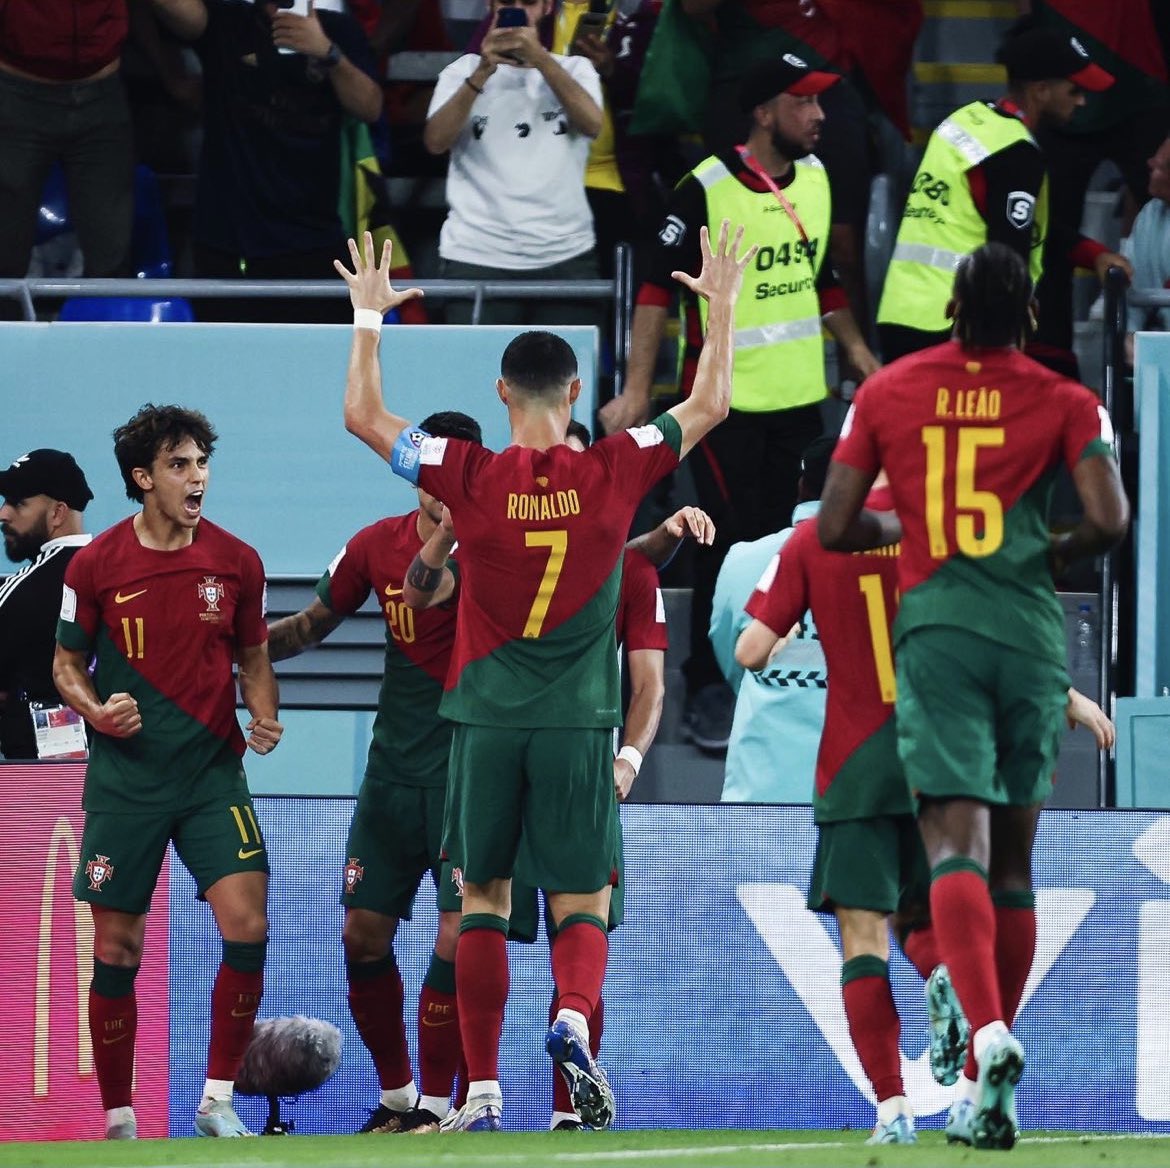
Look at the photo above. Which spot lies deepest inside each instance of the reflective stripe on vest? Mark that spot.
(775, 334)
(941, 223)
(933, 257)
(779, 356)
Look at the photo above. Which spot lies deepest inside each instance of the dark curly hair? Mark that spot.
(152, 430)
(993, 295)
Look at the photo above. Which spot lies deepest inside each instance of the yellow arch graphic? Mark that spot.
(61, 838)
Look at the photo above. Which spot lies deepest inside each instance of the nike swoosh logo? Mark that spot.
(120, 599)
(445, 1022)
(247, 856)
(393, 591)
(243, 1013)
(118, 1038)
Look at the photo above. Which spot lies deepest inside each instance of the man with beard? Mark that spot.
(44, 495)
(747, 468)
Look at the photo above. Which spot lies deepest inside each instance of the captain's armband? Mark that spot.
(404, 455)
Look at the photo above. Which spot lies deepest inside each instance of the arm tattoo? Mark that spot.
(422, 576)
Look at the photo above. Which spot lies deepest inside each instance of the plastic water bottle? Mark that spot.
(1084, 660)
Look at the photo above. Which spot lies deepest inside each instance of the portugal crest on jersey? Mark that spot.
(211, 593)
(353, 873)
(99, 871)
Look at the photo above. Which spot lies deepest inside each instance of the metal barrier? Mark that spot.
(619, 290)
(1117, 570)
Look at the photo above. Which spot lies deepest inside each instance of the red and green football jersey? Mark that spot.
(971, 443)
(853, 599)
(165, 628)
(641, 616)
(411, 740)
(541, 534)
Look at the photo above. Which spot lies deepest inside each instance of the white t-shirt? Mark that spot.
(516, 180)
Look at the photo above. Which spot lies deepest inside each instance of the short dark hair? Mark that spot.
(814, 466)
(993, 293)
(538, 363)
(452, 424)
(579, 431)
(154, 429)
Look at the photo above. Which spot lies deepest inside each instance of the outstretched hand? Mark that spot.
(722, 272)
(369, 282)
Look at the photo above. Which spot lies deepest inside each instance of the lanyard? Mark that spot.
(768, 181)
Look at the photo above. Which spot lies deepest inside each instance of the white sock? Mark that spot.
(484, 1087)
(985, 1035)
(400, 1098)
(968, 1089)
(559, 1116)
(889, 1109)
(216, 1091)
(576, 1020)
(116, 1115)
(435, 1104)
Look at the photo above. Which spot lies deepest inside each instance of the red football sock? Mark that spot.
(113, 1026)
(461, 1081)
(964, 924)
(579, 956)
(481, 983)
(439, 1046)
(1015, 947)
(375, 1001)
(873, 1023)
(921, 950)
(235, 998)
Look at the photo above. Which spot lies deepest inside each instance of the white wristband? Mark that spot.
(633, 756)
(367, 318)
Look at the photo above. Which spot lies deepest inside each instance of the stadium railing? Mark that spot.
(619, 291)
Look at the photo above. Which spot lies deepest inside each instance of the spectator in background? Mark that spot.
(62, 100)
(1125, 125)
(277, 90)
(983, 179)
(748, 468)
(1148, 248)
(44, 494)
(518, 121)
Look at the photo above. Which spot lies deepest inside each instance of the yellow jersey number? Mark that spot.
(979, 514)
(556, 542)
(879, 635)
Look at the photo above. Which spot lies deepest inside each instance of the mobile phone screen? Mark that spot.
(512, 17)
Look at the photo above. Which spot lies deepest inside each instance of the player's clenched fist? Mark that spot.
(264, 734)
(118, 716)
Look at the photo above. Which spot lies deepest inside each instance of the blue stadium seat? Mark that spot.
(136, 308)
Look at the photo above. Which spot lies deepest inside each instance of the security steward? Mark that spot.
(44, 494)
(747, 469)
(983, 179)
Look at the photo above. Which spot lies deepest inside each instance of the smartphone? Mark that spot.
(587, 22)
(514, 16)
(298, 8)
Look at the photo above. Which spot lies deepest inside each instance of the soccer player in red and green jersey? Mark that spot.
(533, 683)
(971, 434)
(395, 836)
(168, 602)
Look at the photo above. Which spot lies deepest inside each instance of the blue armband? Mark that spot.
(404, 455)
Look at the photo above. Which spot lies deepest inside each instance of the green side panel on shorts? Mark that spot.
(566, 678)
(1007, 597)
(173, 762)
(870, 782)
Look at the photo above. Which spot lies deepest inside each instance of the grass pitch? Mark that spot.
(642, 1149)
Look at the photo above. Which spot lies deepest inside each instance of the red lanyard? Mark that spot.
(768, 181)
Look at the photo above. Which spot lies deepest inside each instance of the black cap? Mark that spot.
(777, 75)
(46, 472)
(1044, 53)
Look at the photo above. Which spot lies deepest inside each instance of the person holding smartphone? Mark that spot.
(516, 180)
